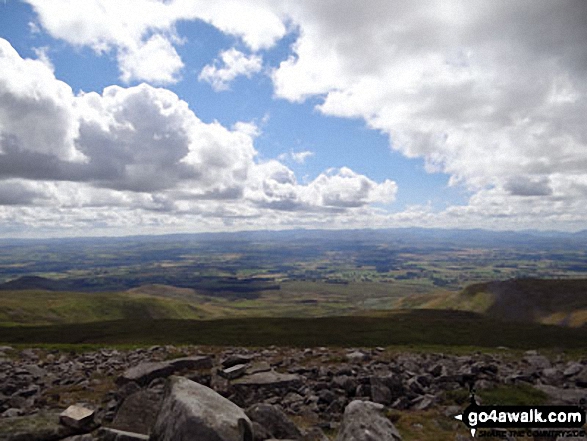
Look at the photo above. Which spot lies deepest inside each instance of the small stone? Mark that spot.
(12, 412)
(78, 417)
(236, 371)
(357, 357)
(423, 402)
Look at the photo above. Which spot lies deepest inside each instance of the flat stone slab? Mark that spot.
(233, 360)
(563, 396)
(270, 379)
(144, 373)
(260, 366)
(193, 362)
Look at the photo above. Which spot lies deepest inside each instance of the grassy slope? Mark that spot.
(295, 299)
(554, 301)
(416, 327)
(36, 307)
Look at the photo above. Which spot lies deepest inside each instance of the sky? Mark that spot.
(151, 117)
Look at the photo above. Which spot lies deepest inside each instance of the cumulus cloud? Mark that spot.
(36, 111)
(143, 149)
(234, 64)
(140, 139)
(494, 94)
(155, 60)
(142, 32)
(491, 93)
(273, 185)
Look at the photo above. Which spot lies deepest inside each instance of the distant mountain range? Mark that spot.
(471, 237)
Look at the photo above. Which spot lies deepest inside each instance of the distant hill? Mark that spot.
(44, 307)
(548, 301)
(32, 282)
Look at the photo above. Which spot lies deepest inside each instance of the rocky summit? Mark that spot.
(243, 394)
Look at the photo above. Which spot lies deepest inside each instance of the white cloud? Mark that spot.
(36, 111)
(154, 60)
(273, 185)
(142, 32)
(234, 64)
(142, 155)
(43, 56)
(298, 157)
(140, 139)
(494, 94)
(345, 188)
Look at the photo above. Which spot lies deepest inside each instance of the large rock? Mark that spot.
(138, 412)
(572, 369)
(191, 411)
(274, 420)
(537, 362)
(363, 421)
(144, 373)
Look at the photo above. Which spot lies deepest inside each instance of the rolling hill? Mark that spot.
(548, 301)
(42, 307)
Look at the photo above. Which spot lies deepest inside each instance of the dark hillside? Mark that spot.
(416, 327)
(533, 300)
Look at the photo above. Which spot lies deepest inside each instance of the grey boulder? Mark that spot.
(363, 421)
(138, 412)
(191, 411)
(274, 420)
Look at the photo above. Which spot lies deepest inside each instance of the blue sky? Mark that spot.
(315, 116)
